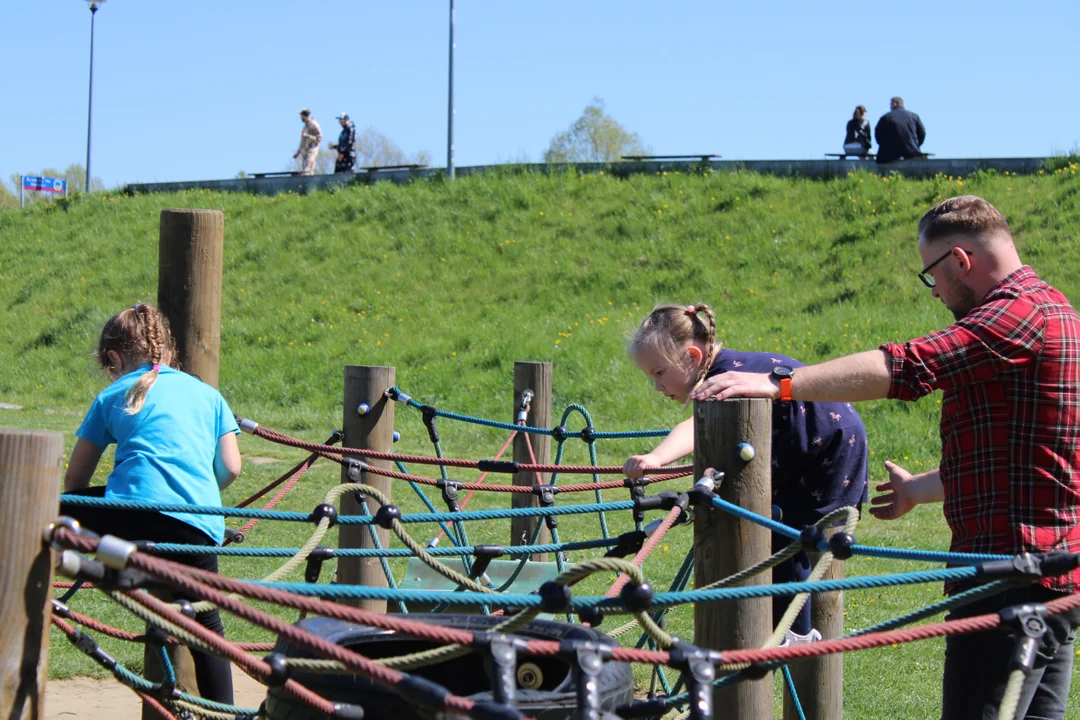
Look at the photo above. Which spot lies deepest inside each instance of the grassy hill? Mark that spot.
(453, 282)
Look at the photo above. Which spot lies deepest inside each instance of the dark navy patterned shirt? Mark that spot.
(819, 449)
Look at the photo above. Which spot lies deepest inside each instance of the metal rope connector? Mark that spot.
(112, 552)
(524, 406)
(63, 521)
(246, 425)
(1028, 627)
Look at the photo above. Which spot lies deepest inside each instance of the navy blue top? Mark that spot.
(819, 449)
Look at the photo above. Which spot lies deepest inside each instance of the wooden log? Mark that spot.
(31, 462)
(725, 544)
(372, 429)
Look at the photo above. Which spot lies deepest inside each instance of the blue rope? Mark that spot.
(166, 665)
(923, 555)
(661, 600)
(790, 682)
(525, 428)
(778, 528)
(373, 533)
(232, 550)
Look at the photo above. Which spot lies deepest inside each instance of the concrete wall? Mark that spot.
(805, 168)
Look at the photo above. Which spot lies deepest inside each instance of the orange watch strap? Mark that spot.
(785, 389)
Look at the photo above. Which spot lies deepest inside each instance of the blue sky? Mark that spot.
(206, 88)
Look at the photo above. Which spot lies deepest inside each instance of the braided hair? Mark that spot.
(668, 328)
(142, 332)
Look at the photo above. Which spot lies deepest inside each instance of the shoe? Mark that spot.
(794, 638)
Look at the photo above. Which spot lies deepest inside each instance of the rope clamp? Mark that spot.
(546, 496)
(354, 468)
(60, 609)
(629, 544)
(1028, 627)
(503, 650)
(112, 552)
(698, 667)
(77, 566)
(88, 647)
(248, 426)
(450, 490)
(637, 491)
(1024, 565)
(430, 413)
(63, 522)
(315, 562)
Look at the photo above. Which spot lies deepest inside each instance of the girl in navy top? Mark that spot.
(175, 444)
(819, 450)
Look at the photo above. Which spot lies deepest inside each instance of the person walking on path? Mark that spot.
(1009, 479)
(310, 139)
(899, 133)
(346, 145)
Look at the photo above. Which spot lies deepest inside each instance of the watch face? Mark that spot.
(782, 371)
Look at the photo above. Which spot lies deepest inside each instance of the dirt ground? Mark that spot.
(109, 700)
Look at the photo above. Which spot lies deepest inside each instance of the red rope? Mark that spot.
(297, 472)
(661, 530)
(328, 451)
(483, 477)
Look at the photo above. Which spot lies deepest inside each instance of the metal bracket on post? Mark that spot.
(545, 494)
(524, 407)
(450, 490)
(1028, 627)
(588, 659)
(699, 668)
(502, 651)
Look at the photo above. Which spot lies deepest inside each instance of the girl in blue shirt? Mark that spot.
(819, 450)
(175, 444)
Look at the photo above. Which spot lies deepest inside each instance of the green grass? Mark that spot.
(453, 282)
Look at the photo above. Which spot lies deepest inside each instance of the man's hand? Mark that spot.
(333, 146)
(737, 384)
(636, 464)
(900, 494)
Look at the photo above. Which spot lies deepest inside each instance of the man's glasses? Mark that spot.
(928, 281)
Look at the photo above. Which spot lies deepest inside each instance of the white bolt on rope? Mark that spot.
(112, 552)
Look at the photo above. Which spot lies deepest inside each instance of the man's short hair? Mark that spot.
(897, 101)
(962, 215)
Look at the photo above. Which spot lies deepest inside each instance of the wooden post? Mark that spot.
(30, 464)
(820, 680)
(190, 250)
(724, 544)
(190, 256)
(535, 376)
(373, 430)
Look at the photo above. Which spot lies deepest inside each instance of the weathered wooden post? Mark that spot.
(191, 248)
(30, 468)
(820, 680)
(725, 544)
(190, 255)
(534, 376)
(368, 423)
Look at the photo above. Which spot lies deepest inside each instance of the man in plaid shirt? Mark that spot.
(1009, 369)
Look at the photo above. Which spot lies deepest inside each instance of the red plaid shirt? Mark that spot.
(1010, 419)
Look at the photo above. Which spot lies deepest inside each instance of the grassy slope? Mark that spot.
(452, 283)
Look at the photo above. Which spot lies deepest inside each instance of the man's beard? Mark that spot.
(967, 303)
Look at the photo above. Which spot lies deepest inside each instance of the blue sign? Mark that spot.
(44, 184)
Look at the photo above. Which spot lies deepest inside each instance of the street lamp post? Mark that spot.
(94, 5)
(450, 111)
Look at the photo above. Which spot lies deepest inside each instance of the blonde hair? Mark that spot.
(668, 328)
(140, 332)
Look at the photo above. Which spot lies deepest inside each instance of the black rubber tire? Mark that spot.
(556, 698)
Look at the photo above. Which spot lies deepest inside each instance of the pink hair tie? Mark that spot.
(156, 367)
(691, 310)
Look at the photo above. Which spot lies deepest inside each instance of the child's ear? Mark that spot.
(695, 354)
(116, 363)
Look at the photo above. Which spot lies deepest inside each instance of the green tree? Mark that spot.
(373, 149)
(593, 137)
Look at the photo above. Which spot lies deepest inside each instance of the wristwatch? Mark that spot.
(783, 374)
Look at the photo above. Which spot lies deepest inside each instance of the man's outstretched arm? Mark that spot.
(863, 376)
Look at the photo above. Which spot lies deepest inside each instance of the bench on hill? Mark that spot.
(408, 166)
(641, 158)
(276, 173)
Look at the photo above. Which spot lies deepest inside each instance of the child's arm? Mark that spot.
(679, 443)
(903, 491)
(227, 460)
(81, 465)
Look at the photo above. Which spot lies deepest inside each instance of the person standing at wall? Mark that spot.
(346, 145)
(310, 139)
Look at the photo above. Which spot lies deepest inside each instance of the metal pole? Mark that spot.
(90, 103)
(450, 111)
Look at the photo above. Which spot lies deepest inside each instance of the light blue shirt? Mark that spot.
(165, 452)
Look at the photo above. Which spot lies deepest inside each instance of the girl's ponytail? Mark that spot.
(140, 333)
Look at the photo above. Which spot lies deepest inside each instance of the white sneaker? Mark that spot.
(794, 638)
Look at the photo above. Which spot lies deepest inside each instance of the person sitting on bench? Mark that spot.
(857, 140)
(899, 133)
